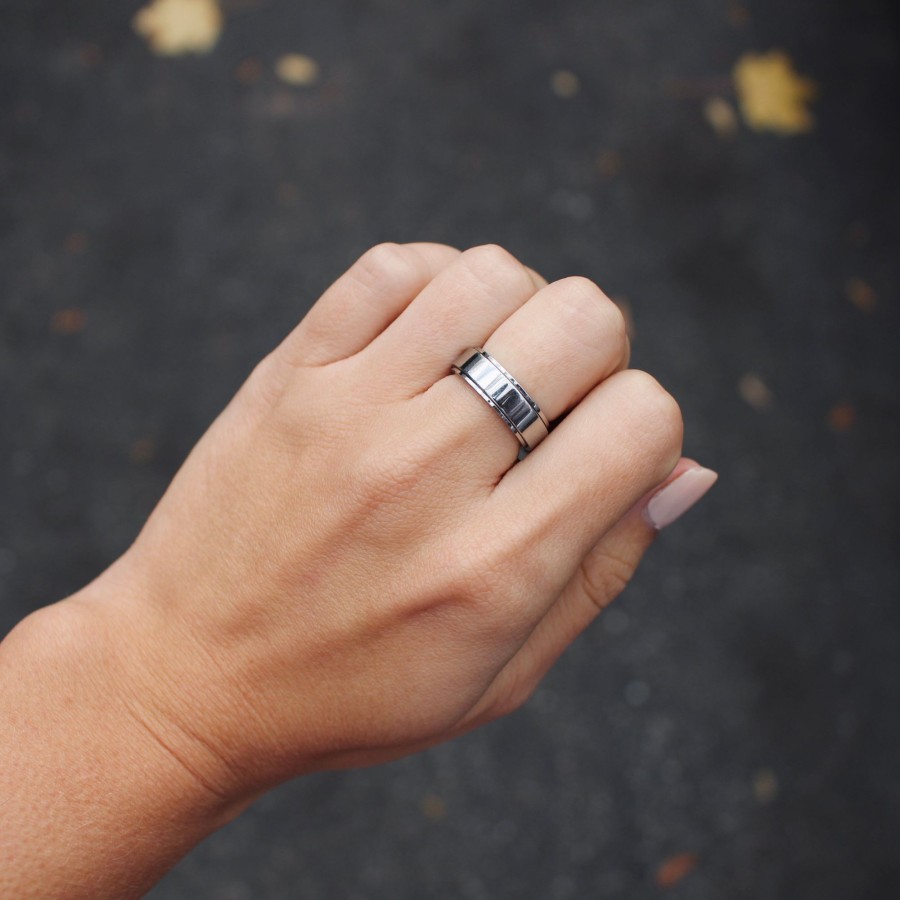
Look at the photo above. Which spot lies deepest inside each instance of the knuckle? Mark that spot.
(472, 576)
(658, 412)
(389, 266)
(591, 313)
(479, 578)
(493, 266)
(267, 382)
(383, 477)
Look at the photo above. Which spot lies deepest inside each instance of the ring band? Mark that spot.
(504, 394)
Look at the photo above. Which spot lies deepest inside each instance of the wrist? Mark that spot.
(84, 773)
(150, 674)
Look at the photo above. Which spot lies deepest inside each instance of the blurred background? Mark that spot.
(182, 178)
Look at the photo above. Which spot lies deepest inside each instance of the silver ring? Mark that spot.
(504, 394)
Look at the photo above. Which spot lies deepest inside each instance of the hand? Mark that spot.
(349, 566)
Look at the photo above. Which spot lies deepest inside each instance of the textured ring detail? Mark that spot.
(504, 394)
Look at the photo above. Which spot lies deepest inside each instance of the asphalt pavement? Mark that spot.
(731, 727)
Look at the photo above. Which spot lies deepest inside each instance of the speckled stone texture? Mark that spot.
(165, 221)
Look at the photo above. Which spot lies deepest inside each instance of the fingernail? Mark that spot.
(677, 497)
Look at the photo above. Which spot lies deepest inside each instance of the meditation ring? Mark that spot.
(504, 394)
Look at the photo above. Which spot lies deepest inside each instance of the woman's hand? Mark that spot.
(349, 566)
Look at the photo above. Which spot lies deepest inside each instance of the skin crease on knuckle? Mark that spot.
(388, 268)
(497, 269)
(590, 317)
(654, 418)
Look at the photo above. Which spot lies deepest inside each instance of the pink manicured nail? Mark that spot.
(677, 497)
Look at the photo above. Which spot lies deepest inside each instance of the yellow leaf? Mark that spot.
(174, 27)
(772, 95)
(297, 69)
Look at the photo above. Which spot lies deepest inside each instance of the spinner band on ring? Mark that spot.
(504, 394)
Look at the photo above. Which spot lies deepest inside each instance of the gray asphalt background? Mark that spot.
(741, 704)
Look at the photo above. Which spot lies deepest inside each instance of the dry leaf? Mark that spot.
(675, 869)
(75, 243)
(173, 27)
(297, 69)
(754, 392)
(565, 84)
(861, 294)
(68, 321)
(841, 417)
(248, 71)
(609, 163)
(721, 116)
(772, 95)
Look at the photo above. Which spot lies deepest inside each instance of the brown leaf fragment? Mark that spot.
(565, 84)
(175, 27)
(609, 163)
(142, 451)
(754, 392)
(738, 15)
(248, 71)
(861, 295)
(68, 321)
(765, 786)
(675, 868)
(75, 243)
(772, 96)
(841, 417)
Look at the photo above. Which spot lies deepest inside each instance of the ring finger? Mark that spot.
(565, 340)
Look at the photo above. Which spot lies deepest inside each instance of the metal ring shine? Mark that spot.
(505, 395)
